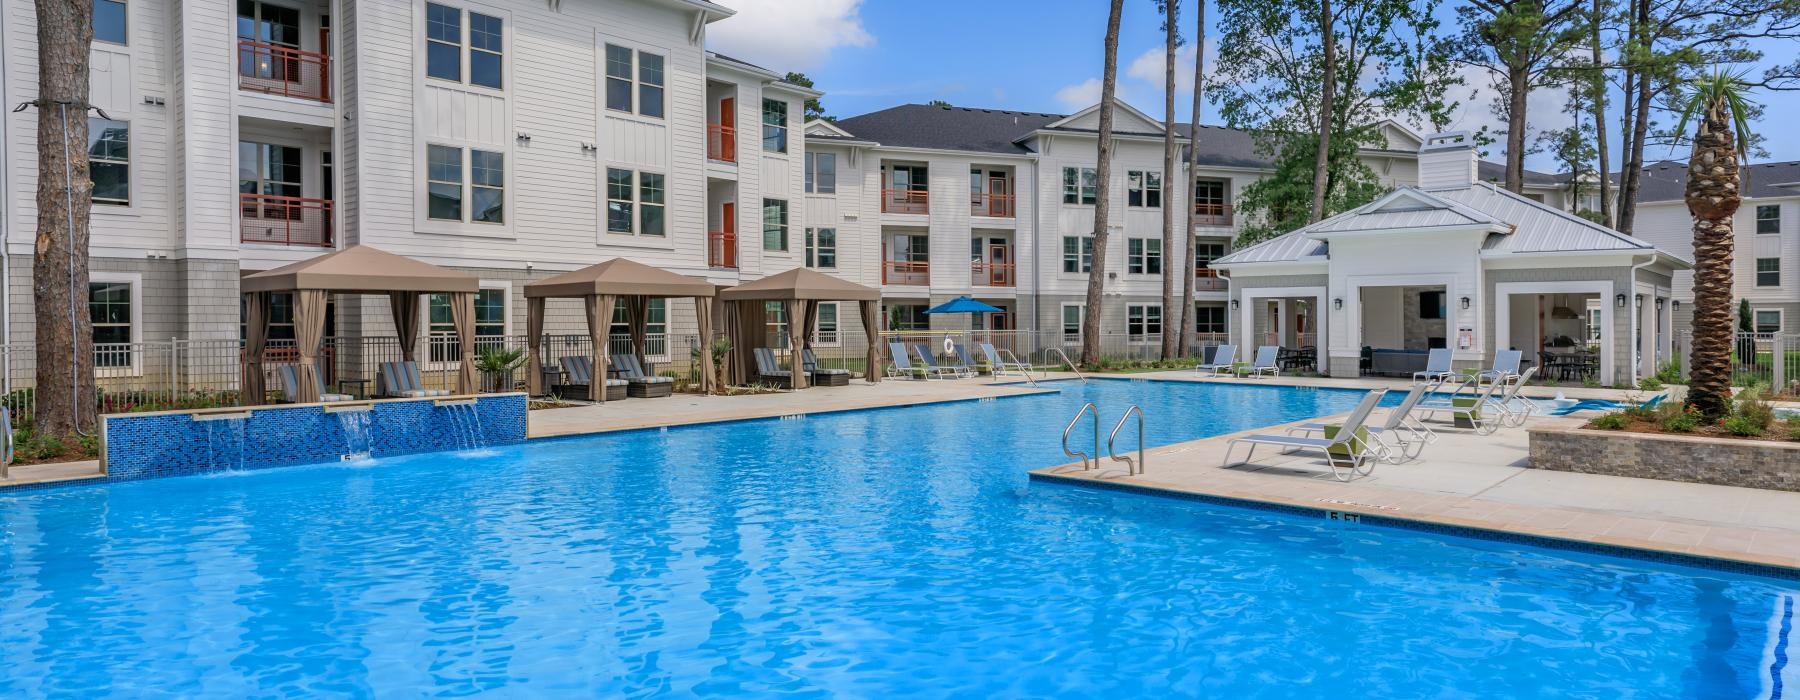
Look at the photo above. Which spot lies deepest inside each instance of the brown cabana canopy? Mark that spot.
(799, 290)
(358, 269)
(602, 286)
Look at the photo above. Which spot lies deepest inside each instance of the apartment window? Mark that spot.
(1071, 322)
(821, 248)
(1143, 188)
(1078, 253)
(490, 324)
(109, 306)
(269, 169)
(109, 21)
(1143, 256)
(445, 192)
(1209, 198)
(656, 319)
(1080, 186)
(635, 81)
(1767, 321)
(1431, 305)
(444, 182)
(487, 187)
(1142, 321)
(1209, 319)
(775, 130)
(908, 317)
(775, 224)
(443, 42)
(821, 173)
(1768, 218)
(1768, 272)
(825, 331)
(486, 46)
(109, 161)
(636, 202)
(1205, 253)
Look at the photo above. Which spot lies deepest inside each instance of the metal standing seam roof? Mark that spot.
(1405, 208)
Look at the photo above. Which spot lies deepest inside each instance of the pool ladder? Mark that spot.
(1133, 467)
(1065, 358)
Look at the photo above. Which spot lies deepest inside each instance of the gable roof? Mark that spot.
(361, 269)
(801, 283)
(1666, 181)
(619, 276)
(1403, 208)
(1089, 120)
(1003, 131)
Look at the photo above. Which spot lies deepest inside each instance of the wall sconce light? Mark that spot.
(1234, 304)
(1465, 303)
(1640, 301)
(524, 137)
(1619, 300)
(1659, 303)
(1676, 304)
(1338, 303)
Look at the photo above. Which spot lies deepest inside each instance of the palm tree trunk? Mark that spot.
(59, 271)
(1712, 197)
(1109, 83)
(1327, 96)
(1185, 320)
(1170, 303)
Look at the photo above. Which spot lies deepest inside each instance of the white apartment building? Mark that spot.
(1766, 260)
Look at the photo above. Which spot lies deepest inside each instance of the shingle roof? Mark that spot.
(999, 130)
(1666, 181)
(1496, 172)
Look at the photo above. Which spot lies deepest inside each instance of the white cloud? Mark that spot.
(1543, 112)
(788, 35)
(1148, 67)
(1079, 96)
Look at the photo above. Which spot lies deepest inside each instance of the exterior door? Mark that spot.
(999, 267)
(999, 204)
(725, 249)
(728, 134)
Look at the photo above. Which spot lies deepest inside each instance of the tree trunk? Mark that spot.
(1170, 303)
(1712, 197)
(1518, 88)
(1597, 90)
(1327, 98)
(1640, 127)
(1186, 317)
(1090, 320)
(59, 271)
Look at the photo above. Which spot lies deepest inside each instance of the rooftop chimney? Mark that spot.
(1448, 160)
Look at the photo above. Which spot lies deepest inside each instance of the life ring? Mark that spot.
(949, 347)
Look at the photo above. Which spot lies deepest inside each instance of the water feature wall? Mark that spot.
(170, 443)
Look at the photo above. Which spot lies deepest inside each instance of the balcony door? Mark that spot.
(271, 26)
(271, 175)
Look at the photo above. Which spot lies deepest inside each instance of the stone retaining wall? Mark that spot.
(1758, 464)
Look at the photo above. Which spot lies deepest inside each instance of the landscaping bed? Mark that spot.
(1748, 448)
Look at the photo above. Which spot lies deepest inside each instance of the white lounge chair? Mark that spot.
(903, 362)
(1347, 453)
(930, 364)
(1506, 366)
(1482, 409)
(1437, 366)
(1222, 360)
(1001, 366)
(1401, 437)
(1265, 362)
(1517, 408)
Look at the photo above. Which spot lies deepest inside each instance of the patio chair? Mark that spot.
(639, 383)
(401, 380)
(1437, 366)
(926, 361)
(1001, 366)
(1517, 408)
(1402, 437)
(1347, 452)
(1469, 407)
(1506, 366)
(903, 362)
(822, 376)
(290, 385)
(1266, 362)
(768, 369)
(579, 371)
(1222, 360)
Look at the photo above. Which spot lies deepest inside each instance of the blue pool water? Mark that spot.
(880, 553)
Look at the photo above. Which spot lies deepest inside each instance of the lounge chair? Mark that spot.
(822, 376)
(768, 369)
(1517, 409)
(1002, 366)
(1347, 452)
(1222, 361)
(401, 380)
(290, 385)
(1437, 366)
(1266, 362)
(1470, 406)
(1604, 405)
(1506, 366)
(579, 373)
(903, 362)
(930, 364)
(1399, 438)
(639, 383)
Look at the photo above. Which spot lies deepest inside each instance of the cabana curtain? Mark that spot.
(734, 330)
(796, 310)
(309, 334)
(405, 307)
(599, 317)
(534, 366)
(256, 333)
(703, 317)
(799, 291)
(637, 318)
(871, 318)
(462, 316)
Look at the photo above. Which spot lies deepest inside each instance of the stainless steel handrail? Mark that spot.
(1065, 358)
(1085, 463)
(6, 442)
(1132, 467)
(1025, 369)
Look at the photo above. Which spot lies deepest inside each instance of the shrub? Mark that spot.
(1793, 428)
(1754, 408)
(1590, 382)
(1650, 384)
(1610, 421)
(1677, 418)
(1669, 373)
(1743, 427)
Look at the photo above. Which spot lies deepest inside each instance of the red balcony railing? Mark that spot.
(987, 274)
(991, 204)
(267, 218)
(1207, 279)
(721, 249)
(905, 201)
(1212, 214)
(906, 272)
(282, 70)
(721, 143)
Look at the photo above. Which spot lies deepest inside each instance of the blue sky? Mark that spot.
(1032, 55)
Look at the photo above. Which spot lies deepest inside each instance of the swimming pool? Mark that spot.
(874, 553)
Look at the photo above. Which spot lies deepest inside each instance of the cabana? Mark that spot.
(799, 290)
(602, 286)
(358, 269)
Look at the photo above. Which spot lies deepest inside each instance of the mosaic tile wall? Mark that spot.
(144, 446)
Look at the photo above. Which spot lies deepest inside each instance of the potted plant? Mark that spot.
(496, 366)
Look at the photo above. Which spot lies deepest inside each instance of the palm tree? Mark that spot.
(1171, 41)
(1718, 104)
(1109, 83)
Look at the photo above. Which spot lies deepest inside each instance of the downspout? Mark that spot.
(1037, 251)
(1631, 306)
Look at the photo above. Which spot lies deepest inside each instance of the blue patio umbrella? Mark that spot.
(964, 305)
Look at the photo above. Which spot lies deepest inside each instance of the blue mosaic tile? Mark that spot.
(148, 446)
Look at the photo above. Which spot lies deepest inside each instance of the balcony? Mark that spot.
(281, 70)
(999, 206)
(1207, 279)
(721, 250)
(905, 272)
(905, 201)
(1212, 214)
(275, 220)
(987, 274)
(721, 143)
